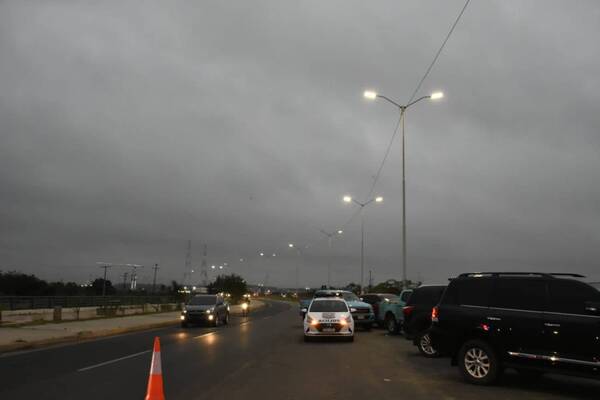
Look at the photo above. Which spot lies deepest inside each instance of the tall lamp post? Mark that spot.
(371, 95)
(295, 247)
(350, 199)
(330, 236)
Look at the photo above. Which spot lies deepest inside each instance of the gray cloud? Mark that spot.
(127, 128)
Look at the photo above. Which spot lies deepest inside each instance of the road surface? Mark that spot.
(260, 357)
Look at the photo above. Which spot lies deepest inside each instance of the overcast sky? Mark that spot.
(130, 127)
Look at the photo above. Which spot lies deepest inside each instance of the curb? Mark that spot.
(82, 336)
(85, 336)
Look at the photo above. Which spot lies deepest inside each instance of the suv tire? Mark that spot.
(391, 325)
(425, 346)
(226, 320)
(478, 362)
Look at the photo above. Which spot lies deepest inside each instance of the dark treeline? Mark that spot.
(14, 283)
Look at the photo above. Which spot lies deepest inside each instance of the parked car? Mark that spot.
(417, 317)
(375, 300)
(389, 311)
(211, 309)
(362, 313)
(328, 317)
(532, 322)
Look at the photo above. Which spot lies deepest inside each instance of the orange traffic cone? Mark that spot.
(155, 382)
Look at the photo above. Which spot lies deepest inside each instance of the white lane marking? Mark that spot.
(113, 361)
(204, 334)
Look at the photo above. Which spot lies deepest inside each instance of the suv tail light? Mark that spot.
(407, 311)
(435, 313)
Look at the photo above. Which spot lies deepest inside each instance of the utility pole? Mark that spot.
(188, 263)
(106, 266)
(204, 268)
(156, 267)
(125, 274)
(370, 281)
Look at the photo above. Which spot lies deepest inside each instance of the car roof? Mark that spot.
(329, 299)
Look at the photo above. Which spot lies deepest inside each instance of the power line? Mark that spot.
(438, 52)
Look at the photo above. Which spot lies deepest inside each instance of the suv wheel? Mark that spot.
(391, 324)
(226, 320)
(478, 362)
(426, 347)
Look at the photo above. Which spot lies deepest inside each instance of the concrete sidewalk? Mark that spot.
(25, 337)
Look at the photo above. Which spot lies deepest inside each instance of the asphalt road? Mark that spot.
(259, 357)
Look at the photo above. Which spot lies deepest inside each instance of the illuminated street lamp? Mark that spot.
(372, 95)
(350, 199)
(330, 236)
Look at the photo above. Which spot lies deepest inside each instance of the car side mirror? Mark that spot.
(592, 307)
(352, 309)
(304, 310)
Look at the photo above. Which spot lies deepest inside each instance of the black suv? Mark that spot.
(532, 322)
(417, 316)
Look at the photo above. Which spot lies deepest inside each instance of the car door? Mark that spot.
(514, 319)
(572, 324)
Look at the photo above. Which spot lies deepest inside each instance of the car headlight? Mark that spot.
(185, 311)
(312, 321)
(209, 311)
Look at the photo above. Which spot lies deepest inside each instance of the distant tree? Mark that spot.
(97, 285)
(14, 283)
(232, 284)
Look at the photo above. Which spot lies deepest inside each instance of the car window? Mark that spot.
(473, 291)
(328, 306)
(405, 296)
(426, 295)
(370, 299)
(520, 294)
(570, 297)
(350, 297)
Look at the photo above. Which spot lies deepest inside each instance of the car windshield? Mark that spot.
(350, 297)
(328, 306)
(203, 301)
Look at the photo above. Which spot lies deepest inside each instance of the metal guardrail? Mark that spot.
(37, 302)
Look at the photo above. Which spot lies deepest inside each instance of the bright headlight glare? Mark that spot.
(182, 317)
(210, 317)
(208, 311)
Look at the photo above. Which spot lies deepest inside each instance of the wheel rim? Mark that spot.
(391, 325)
(477, 363)
(426, 345)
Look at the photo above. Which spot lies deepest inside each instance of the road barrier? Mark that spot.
(155, 381)
(36, 302)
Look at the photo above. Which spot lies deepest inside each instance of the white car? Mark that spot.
(328, 316)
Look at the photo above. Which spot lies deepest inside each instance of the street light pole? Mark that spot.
(362, 251)
(156, 267)
(372, 96)
(330, 236)
(349, 199)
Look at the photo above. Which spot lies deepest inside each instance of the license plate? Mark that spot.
(328, 330)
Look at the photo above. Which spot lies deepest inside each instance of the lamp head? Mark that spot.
(370, 94)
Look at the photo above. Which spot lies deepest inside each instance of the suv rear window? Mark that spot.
(520, 294)
(426, 295)
(569, 297)
(469, 292)
(328, 306)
